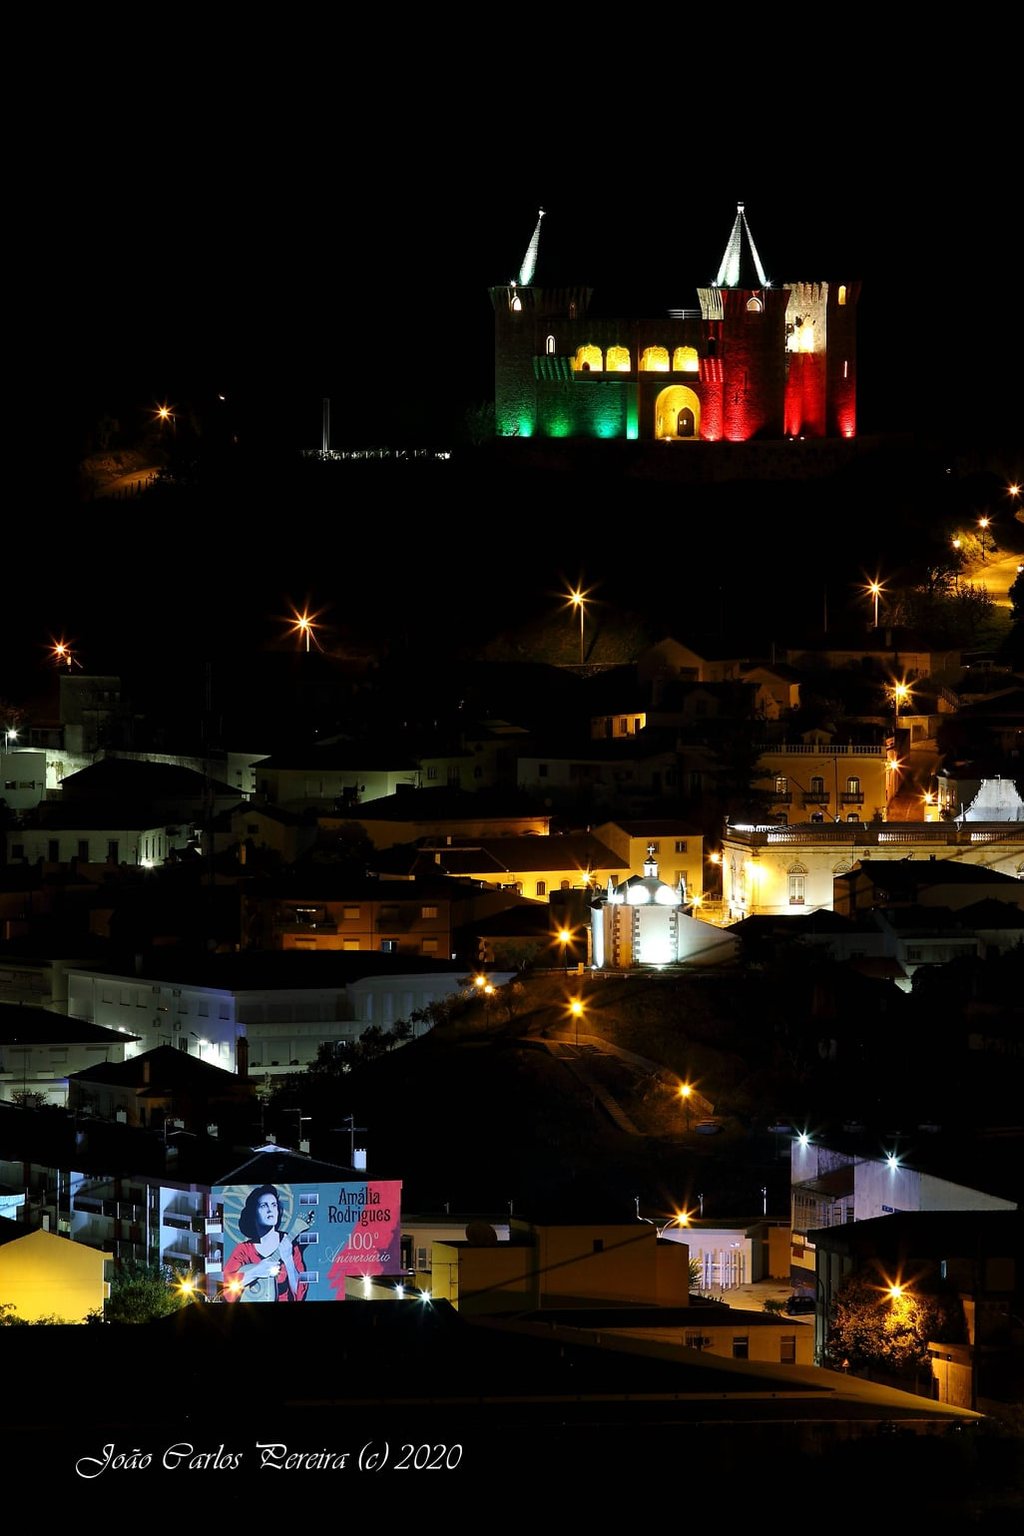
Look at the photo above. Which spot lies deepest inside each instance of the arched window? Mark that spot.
(853, 785)
(842, 293)
(685, 360)
(754, 306)
(617, 360)
(542, 887)
(588, 359)
(817, 786)
(516, 304)
(654, 360)
(549, 346)
(781, 784)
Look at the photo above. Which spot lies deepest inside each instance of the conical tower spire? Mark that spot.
(741, 265)
(529, 265)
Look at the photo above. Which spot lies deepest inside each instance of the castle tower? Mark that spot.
(531, 340)
(746, 320)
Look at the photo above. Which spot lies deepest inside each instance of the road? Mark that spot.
(996, 574)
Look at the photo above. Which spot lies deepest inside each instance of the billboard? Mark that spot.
(301, 1242)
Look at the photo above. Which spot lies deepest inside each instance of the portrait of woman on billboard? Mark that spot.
(268, 1265)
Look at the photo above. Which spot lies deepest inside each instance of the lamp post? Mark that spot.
(983, 523)
(576, 1009)
(578, 600)
(685, 1092)
(900, 695)
(874, 589)
(564, 938)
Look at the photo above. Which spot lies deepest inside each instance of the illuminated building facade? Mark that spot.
(755, 360)
(643, 921)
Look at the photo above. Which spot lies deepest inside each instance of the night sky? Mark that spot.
(328, 223)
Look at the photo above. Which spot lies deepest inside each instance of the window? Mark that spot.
(429, 946)
(817, 786)
(350, 943)
(617, 360)
(203, 1011)
(453, 775)
(542, 887)
(431, 773)
(846, 369)
(542, 770)
(787, 1349)
(428, 911)
(252, 828)
(853, 785)
(842, 293)
(852, 816)
(754, 307)
(588, 359)
(780, 784)
(351, 914)
(796, 890)
(17, 850)
(693, 1340)
(53, 851)
(741, 1346)
(681, 846)
(83, 850)
(654, 360)
(112, 851)
(654, 847)
(389, 946)
(684, 360)
(598, 1243)
(549, 346)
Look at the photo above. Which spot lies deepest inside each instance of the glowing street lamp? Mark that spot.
(685, 1093)
(63, 655)
(564, 938)
(873, 590)
(576, 1009)
(10, 734)
(983, 523)
(305, 626)
(577, 599)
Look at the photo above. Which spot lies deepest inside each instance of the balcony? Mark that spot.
(851, 799)
(816, 797)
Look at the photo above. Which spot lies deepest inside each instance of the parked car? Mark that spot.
(795, 1304)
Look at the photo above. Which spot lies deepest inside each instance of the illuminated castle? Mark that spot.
(754, 361)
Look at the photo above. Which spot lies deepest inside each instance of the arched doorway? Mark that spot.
(677, 414)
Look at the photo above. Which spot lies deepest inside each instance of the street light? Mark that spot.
(305, 626)
(576, 1009)
(900, 694)
(564, 938)
(873, 590)
(983, 523)
(685, 1092)
(577, 599)
(10, 734)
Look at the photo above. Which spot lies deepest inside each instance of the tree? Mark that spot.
(141, 1293)
(871, 1327)
(1016, 595)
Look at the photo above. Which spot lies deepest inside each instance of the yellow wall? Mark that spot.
(44, 1275)
(560, 1264)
